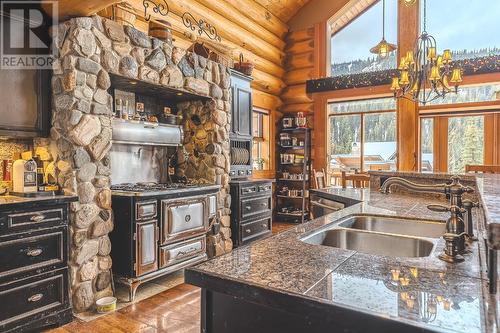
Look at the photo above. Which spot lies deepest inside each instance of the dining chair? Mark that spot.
(359, 180)
(319, 179)
(477, 168)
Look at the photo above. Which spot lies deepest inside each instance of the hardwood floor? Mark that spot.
(282, 226)
(176, 310)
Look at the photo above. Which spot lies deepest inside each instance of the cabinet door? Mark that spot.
(245, 112)
(234, 110)
(146, 247)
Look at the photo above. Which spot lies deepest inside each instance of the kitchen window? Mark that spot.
(362, 135)
(460, 129)
(361, 23)
(261, 139)
(462, 141)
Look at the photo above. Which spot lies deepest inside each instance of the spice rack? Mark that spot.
(294, 168)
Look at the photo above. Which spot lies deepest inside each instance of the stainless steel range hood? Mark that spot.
(146, 133)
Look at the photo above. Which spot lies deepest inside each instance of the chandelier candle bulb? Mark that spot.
(446, 56)
(439, 62)
(410, 60)
(434, 74)
(404, 78)
(414, 89)
(395, 84)
(456, 76)
(402, 64)
(431, 55)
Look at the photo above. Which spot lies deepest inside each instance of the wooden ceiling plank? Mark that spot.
(261, 15)
(227, 10)
(75, 8)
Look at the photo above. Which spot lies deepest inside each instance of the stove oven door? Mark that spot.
(146, 247)
(182, 219)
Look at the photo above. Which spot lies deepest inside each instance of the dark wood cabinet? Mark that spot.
(241, 119)
(34, 249)
(251, 210)
(241, 126)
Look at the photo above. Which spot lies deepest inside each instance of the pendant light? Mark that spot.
(383, 48)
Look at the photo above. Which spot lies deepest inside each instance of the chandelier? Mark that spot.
(424, 75)
(383, 48)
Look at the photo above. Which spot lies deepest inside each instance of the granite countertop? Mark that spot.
(421, 292)
(489, 187)
(10, 201)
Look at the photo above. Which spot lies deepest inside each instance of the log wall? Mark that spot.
(299, 67)
(245, 27)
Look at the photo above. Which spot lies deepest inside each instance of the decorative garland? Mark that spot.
(481, 65)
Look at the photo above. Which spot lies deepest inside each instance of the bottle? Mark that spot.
(39, 173)
(118, 108)
(125, 110)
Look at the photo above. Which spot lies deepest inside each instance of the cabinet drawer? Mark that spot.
(175, 253)
(146, 210)
(254, 229)
(33, 297)
(250, 207)
(34, 219)
(246, 190)
(265, 188)
(32, 251)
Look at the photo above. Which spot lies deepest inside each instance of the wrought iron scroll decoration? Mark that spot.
(159, 8)
(201, 26)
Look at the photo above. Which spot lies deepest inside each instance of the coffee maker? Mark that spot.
(24, 176)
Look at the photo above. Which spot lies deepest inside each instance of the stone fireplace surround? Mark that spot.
(88, 50)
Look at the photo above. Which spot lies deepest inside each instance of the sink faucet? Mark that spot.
(458, 225)
(453, 191)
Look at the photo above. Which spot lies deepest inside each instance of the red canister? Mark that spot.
(7, 170)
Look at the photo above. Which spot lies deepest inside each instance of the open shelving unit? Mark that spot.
(298, 206)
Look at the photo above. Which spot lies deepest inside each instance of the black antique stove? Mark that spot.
(159, 228)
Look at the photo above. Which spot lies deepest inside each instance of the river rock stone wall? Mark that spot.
(89, 49)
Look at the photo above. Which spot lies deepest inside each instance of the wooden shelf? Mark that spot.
(290, 197)
(292, 147)
(295, 129)
(292, 180)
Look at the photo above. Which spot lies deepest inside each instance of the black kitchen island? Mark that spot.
(282, 284)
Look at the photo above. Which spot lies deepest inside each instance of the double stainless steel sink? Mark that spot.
(379, 235)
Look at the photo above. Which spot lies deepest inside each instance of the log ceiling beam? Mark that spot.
(227, 10)
(261, 15)
(75, 8)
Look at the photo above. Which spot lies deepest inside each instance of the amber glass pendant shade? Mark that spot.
(383, 48)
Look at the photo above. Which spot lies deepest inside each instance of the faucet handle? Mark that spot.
(455, 183)
(444, 209)
(469, 204)
(438, 208)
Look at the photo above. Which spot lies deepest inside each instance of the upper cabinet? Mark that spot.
(25, 103)
(24, 93)
(241, 115)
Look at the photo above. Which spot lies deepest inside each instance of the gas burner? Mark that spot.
(148, 187)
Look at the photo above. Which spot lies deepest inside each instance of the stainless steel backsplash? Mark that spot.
(137, 163)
